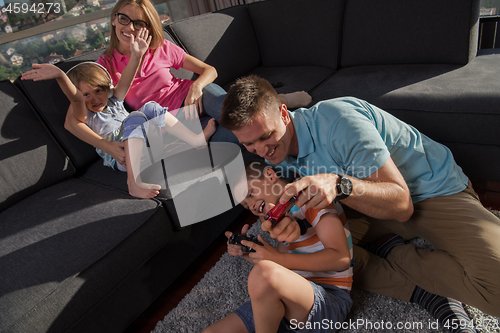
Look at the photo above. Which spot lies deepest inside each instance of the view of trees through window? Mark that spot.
(17, 56)
(23, 15)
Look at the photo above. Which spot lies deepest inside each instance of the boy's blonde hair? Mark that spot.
(152, 19)
(92, 74)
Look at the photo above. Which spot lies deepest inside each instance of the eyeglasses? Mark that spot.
(125, 20)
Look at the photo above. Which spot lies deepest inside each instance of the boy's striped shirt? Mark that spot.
(310, 243)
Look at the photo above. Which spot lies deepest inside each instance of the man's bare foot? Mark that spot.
(143, 190)
(297, 99)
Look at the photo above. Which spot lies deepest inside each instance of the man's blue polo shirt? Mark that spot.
(349, 136)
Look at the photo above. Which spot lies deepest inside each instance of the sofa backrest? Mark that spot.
(238, 39)
(411, 31)
(331, 34)
(298, 32)
(30, 158)
(225, 40)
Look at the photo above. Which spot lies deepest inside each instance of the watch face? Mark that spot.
(346, 185)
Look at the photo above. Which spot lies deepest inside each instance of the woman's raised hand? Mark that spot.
(139, 44)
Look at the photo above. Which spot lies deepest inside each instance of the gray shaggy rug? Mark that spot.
(224, 288)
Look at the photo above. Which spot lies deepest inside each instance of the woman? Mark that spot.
(154, 81)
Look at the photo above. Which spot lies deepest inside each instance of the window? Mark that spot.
(490, 7)
(489, 34)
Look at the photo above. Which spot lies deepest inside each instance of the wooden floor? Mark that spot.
(489, 194)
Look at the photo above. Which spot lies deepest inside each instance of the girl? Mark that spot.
(99, 105)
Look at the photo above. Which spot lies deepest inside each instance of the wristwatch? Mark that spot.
(344, 188)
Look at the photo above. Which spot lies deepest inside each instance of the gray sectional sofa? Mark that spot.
(415, 59)
(78, 254)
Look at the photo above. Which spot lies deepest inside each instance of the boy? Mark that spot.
(312, 297)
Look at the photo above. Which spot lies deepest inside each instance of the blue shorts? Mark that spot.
(137, 123)
(331, 305)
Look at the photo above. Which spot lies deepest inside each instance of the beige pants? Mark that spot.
(465, 266)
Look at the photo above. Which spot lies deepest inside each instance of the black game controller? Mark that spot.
(237, 238)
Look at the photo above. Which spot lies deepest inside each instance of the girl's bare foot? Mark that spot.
(297, 99)
(143, 190)
(207, 134)
(210, 129)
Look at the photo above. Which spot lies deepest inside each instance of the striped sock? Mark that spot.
(448, 311)
(384, 245)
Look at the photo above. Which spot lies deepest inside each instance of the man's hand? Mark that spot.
(383, 195)
(318, 191)
(286, 230)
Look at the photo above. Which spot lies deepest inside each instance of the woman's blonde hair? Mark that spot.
(152, 19)
(92, 74)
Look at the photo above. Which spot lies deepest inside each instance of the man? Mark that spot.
(394, 180)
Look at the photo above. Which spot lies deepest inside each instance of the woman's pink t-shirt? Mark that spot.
(153, 81)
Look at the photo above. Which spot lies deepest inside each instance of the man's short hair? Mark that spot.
(246, 98)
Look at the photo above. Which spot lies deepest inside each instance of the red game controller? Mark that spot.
(279, 211)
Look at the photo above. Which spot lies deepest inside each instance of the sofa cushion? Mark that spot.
(384, 85)
(30, 158)
(479, 162)
(412, 31)
(52, 237)
(298, 33)
(133, 296)
(51, 104)
(429, 96)
(180, 73)
(294, 78)
(439, 100)
(194, 188)
(225, 40)
(100, 174)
